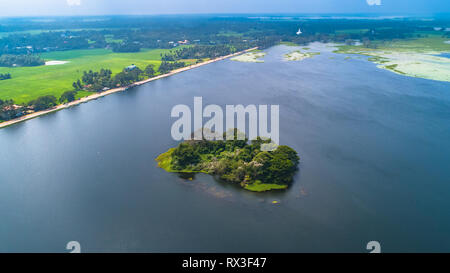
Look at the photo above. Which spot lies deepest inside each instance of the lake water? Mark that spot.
(375, 165)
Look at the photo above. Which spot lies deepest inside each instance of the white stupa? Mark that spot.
(299, 32)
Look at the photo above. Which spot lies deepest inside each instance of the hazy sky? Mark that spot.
(96, 7)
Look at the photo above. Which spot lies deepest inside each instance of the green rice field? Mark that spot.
(28, 83)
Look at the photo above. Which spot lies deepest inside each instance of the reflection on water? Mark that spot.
(187, 176)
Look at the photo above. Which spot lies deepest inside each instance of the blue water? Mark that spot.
(374, 148)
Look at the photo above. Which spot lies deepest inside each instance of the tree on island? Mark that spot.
(185, 155)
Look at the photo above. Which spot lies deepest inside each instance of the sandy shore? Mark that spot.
(111, 91)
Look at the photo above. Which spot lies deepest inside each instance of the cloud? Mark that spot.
(374, 2)
(77, 2)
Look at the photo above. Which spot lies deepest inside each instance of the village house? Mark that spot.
(130, 67)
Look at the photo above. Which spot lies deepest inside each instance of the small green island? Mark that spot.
(298, 55)
(235, 161)
(254, 56)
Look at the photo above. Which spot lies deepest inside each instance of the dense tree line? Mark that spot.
(95, 81)
(166, 67)
(126, 47)
(98, 81)
(20, 60)
(6, 111)
(127, 77)
(130, 34)
(5, 76)
(199, 52)
(68, 96)
(149, 71)
(44, 102)
(6, 102)
(20, 44)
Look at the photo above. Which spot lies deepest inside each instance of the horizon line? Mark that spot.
(355, 14)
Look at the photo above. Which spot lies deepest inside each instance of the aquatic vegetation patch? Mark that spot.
(250, 57)
(414, 57)
(299, 55)
(418, 65)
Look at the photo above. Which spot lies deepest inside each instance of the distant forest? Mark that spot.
(130, 34)
(10, 60)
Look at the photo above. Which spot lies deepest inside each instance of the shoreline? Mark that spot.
(115, 90)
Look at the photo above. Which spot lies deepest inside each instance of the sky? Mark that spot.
(106, 7)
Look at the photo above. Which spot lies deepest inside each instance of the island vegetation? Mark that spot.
(235, 161)
(43, 102)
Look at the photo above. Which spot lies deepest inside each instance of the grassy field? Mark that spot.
(426, 44)
(165, 159)
(28, 83)
(433, 42)
(257, 186)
